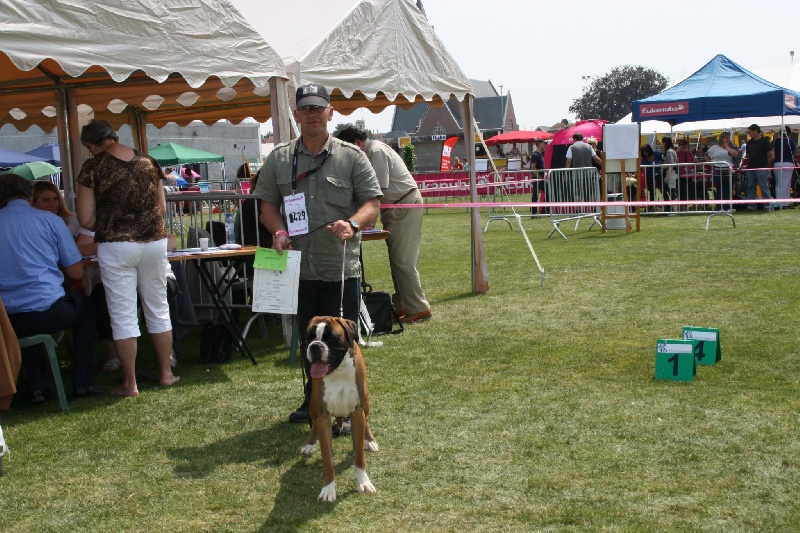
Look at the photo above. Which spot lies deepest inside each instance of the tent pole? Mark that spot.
(138, 126)
(480, 275)
(67, 128)
(280, 109)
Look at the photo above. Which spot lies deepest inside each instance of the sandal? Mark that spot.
(112, 365)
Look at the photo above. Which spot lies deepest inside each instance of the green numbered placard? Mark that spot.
(675, 360)
(708, 349)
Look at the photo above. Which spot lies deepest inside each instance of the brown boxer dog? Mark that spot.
(338, 389)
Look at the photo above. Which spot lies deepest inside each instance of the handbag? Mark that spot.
(382, 313)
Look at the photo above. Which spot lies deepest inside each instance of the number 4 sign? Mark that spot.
(675, 360)
(708, 349)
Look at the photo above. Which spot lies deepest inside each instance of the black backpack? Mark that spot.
(216, 343)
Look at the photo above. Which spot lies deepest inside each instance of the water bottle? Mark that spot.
(229, 237)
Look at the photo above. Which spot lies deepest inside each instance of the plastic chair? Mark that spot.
(50, 346)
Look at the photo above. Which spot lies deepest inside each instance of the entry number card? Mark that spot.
(675, 360)
(708, 350)
(275, 289)
(296, 215)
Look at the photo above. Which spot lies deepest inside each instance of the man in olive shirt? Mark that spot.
(332, 187)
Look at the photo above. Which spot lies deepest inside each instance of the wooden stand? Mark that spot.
(615, 166)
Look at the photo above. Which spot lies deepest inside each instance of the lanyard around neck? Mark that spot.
(295, 176)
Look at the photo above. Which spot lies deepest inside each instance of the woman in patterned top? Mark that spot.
(121, 198)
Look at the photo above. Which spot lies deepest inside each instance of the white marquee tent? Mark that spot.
(369, 53)
(378, 48)
(159, 61)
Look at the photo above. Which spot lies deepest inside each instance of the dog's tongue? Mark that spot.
(319, 370)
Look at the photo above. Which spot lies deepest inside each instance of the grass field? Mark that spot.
(526, 408)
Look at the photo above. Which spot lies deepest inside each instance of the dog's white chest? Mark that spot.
(341, 392)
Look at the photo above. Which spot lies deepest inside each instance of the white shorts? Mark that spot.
(126, 267)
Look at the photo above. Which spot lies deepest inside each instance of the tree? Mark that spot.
(340, 127)
(610, 96)
(410, 158)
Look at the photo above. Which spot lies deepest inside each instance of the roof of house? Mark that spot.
(488, 107)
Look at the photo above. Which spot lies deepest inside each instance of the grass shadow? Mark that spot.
(272, 447)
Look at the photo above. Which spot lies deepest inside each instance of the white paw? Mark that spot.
(328, 493)
(308, 449)
(363, 483)
(371, 445)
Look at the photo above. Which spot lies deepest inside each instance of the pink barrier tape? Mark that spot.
(632, 203)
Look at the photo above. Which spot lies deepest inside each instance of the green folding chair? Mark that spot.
(50, 346)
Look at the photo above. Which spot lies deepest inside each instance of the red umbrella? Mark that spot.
(518, 137)
(588, 128)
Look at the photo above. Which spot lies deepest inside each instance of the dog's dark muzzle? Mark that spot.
(316, 350)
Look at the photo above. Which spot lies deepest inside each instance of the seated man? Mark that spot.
(34, 244)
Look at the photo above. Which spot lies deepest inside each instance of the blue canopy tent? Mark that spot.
(49, 152)
(9, 158)
(721, 89)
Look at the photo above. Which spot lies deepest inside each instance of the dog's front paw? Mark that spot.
(328, 493)
(363, 483)
(308, 449)
(371, 445)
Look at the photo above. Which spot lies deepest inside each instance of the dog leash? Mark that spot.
(341, 298)
(325, 225)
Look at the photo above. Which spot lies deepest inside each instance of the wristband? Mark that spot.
(282, 232)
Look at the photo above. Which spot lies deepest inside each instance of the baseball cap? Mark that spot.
(312, 94)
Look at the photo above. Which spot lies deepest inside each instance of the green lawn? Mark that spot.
(526, 408)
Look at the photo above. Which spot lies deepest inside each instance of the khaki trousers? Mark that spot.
(405, 233)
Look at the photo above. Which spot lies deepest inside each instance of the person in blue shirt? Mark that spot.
(35, 243)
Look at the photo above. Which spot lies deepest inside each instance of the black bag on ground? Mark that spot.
(381, 312)
(216, 343)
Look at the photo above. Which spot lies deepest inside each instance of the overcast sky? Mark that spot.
(539, 51)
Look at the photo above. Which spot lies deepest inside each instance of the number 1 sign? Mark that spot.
(675, 360)
(708, 349)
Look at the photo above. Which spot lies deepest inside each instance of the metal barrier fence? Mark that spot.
(695, 182)
(573, 185)
(192, 215)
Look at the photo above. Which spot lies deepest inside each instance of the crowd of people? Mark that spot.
(339, 182)
(768, 166)
(342, 182)
(44, 286)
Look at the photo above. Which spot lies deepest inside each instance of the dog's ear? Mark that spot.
(350, 331)
(312, 323)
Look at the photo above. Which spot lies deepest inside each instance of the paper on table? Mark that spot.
(269, 259)
(275, 291)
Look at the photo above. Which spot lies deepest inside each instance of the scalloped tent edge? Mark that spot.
(182, 62)
(373, 53)
(416, 45)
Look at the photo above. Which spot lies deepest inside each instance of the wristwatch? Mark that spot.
(354, 225)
